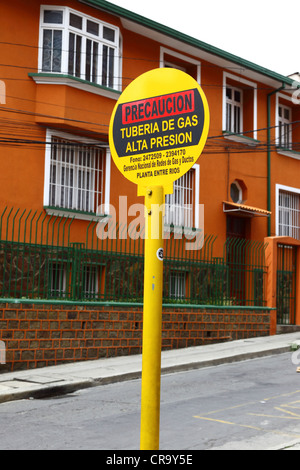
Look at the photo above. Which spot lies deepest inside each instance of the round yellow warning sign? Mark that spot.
(158, 128)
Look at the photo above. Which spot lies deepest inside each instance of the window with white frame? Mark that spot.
(234, 110)
(180, 206)
(74, 175)
(172, 59)
(239, 111)
(288, 213)
(284, 127)
(78, 45)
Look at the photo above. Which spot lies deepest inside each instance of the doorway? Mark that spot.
(286, 284)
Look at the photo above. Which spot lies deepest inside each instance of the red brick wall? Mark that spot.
(38, 335)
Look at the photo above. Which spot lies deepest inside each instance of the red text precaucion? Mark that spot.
(159, 107)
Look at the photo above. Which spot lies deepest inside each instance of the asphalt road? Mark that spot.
(253, 404)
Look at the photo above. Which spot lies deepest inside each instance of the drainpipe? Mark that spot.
(269, 155)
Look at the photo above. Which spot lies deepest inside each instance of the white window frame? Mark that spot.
(239, 82)
(105, 181)
(163, 63)
(66, 29)
(183, 214)
(292, 213)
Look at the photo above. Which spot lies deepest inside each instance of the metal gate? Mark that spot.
(286, 285)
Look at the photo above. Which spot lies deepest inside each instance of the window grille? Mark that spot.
(180, 206)
(177, 285)
(76, 176)
(289, 214)
(90, 282)
(57, 280)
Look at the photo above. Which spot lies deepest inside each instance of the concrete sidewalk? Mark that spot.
(67, 378)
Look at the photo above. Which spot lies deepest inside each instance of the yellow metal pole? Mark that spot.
(152, 319)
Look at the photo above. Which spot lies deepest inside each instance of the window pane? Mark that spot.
(237, 96)
(104, 65)
(88, 60)
(287, 114)
(57, 49)
(92, 28)
(91, 66)
(108, 34)
(47, 50)
(228, 117)
(78, 56)
(111, 68)
(75, 21)
(237, 119)
(52, 50)
(71, 53)
(53, 16)
(95, 62)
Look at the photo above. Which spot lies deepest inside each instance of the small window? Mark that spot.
(90, 282)
(52, 51)
(236, 193)
(171, 59)
(53, 16)
(108, 34)
(75, 21)
(180, 206)
(177, 285)
(92, 28)
(284, 127)
(57, 279)
(234, 110)
(239, 115)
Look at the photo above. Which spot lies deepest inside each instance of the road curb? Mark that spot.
(64, 387)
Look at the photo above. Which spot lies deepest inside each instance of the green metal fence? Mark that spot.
(41, 259)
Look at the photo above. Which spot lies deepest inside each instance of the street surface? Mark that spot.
(253, 404)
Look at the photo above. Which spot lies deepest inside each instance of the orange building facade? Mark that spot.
(63, 67)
